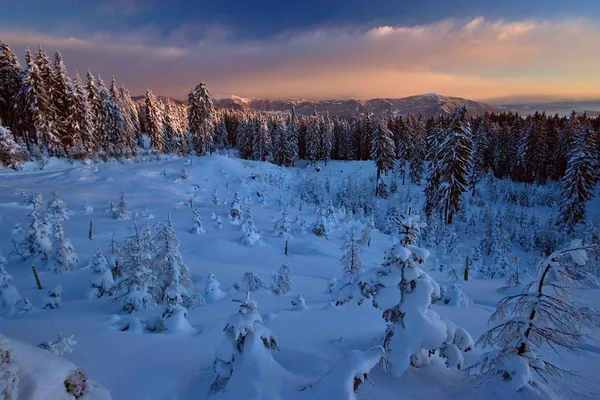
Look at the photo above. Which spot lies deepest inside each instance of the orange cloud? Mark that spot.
(479, 59)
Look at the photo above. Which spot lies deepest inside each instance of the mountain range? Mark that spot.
(430, 104)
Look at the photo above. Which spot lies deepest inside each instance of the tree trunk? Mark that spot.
(523, 345)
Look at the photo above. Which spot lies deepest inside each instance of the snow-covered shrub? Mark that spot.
(282, 226)
(102, 279)
(184, 174)
(282, 281)
(197, 228)
(246, 350)
(235, 213)
(53, 297)
(253, 281)
(215, 197)
(219, 222)
(542, 316)
(299, 303)
(331, 285)
(310, 190)
(455, 296)
(212, 289)
(62, 345)
(87, 208)
(458, 341)
(344, 378)
(65, 258)
(56, 209)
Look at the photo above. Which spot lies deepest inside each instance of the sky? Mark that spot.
(498, 51)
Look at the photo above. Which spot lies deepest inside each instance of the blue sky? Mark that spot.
(234, 44)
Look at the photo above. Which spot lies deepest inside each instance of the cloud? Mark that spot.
(478, 58)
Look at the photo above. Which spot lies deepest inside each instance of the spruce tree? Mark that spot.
(200, 119)
(11, 92)
(577, 185)
(154, 122)
(351, 262)
(261, 143)
(65, 258)
(11, 154)
(38, 105)
(383, 152)
(417, 157)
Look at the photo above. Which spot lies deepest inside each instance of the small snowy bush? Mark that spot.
(282, 281)
(53, 297)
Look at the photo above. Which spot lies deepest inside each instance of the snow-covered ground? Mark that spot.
(179, 365)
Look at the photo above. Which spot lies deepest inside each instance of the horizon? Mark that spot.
(507, 53)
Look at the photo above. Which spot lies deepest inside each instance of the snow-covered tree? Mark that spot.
(543, 316)
(56, 209)
(200, 119)
(577, 185)
(282, 281)
(102, 279)
(351, 262)
(65, 258)
(253, 281)
(235, 214)
(53, 297)
(154, 121)
(251, 235)
(299, 303)
(261, 141)
(197, 228)
(184, 174)
(245, 351)
(170, 268)
(37, 241)
(320, 227)
(404, 292)
(417, 156)
(365, 237)
(11, 154)
(448, 179)
(282, 226)
(383, 152)
(138, 287)
(121, 211)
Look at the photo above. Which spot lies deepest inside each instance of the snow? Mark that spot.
(177, 363)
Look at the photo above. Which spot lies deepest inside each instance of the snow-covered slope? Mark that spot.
(138, 364)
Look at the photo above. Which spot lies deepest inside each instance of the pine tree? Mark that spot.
(215, 198)
(454, 165)
(351, 262)
(261, 143)
(200, 119)
(282, 226)
(122, 209)
(235, 213)
(38, 104)
(11, 93)
(577, 185)
(383, 152)
(110, 125)
(197, 228)
(173, 273)
(541, 315)
(313, 139)
(37, 242)
(56, 209)
(417, 157)
(138, 289)
(65, 258)
(62, 89)
(282, 281)
(253, 281)
(154, 122)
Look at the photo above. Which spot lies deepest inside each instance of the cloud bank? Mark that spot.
(478, 59)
